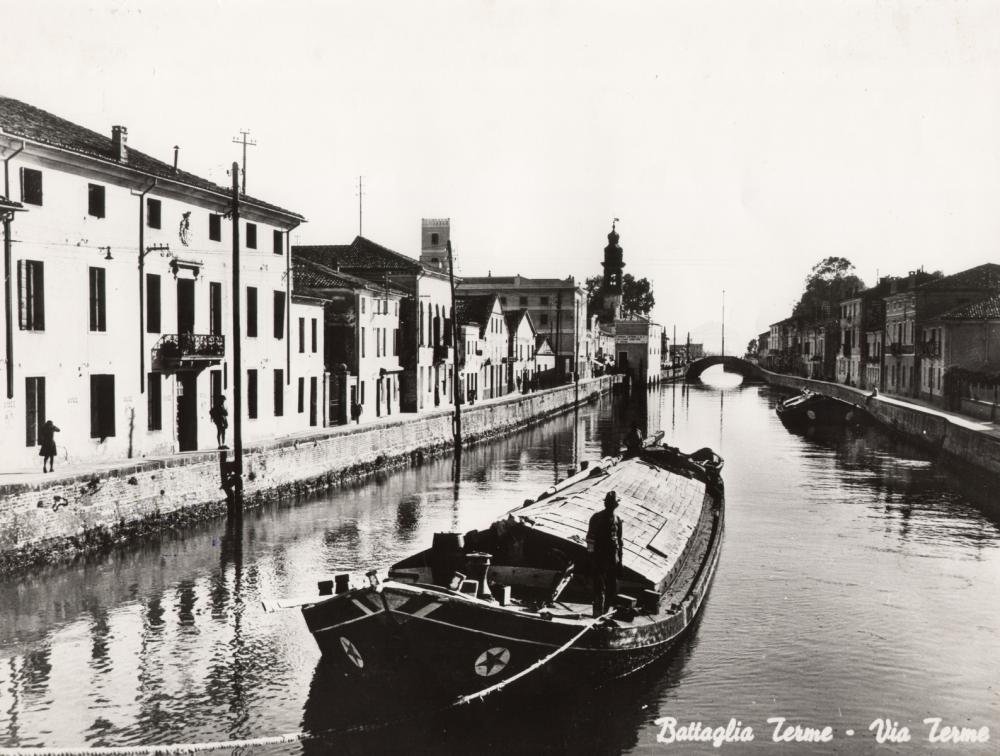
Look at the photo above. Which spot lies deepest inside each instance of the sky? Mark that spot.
(739, 142)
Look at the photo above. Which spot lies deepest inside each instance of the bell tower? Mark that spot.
(611, 291)
(434, 236)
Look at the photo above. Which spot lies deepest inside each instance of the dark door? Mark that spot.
(216, 377)
(185, 305)
(187, 411)
(312, 401)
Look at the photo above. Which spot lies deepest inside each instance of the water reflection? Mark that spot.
(849, 561)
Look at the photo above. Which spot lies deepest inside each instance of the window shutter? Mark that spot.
(38, 294)
(152, 303)
(22, 293)
(95, 413)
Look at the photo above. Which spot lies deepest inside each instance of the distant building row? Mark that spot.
(904, 336)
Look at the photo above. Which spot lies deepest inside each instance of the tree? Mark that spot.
(831, 280)
(752, 348)
(637, 294)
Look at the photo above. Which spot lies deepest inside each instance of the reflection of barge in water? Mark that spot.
(476, 611)
(810, 408)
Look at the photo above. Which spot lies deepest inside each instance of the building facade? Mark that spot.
(426, 352)
(916, 299)
(120, 298)
(637, 346)
(558, 309)
(966, 341)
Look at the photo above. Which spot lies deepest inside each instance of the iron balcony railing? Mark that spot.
(188, 350)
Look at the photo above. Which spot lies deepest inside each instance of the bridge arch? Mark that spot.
(730, 364)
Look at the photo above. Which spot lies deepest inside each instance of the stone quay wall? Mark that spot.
(956, 441)
(62, 518)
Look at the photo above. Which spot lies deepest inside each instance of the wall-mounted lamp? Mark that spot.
(107, 256)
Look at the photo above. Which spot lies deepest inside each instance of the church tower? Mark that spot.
(434, 236)
(611, 291)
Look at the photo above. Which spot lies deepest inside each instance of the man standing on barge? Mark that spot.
(605, 543)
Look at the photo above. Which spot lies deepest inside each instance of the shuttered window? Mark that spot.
(154, 401)
(302, 394)
(215, 308)
(102, 406)
(313, 334)
(215, 227)
(30, 295)
(302, 335)
(251, 311)
(95, 200)
(251, 394)
(278, 245)
(34, 409)
(98, 305)
(153, 212)
(279, 314)
(152, 303)
(31, 186)
(251, 236)
(279, 392)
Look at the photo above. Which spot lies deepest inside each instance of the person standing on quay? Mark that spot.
(605, 543)
(220, 416)
(47, 439)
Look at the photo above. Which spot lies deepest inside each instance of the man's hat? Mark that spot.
(611, 499)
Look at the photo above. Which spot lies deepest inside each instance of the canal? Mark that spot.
(859, 580)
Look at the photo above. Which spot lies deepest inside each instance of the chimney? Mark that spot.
(176, 150)
(119, 137)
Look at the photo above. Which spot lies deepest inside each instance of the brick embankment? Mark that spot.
(971, 442)
(62, 517)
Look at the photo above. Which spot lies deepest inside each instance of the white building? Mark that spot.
(520, 351)
(426, 353)
(119, 302)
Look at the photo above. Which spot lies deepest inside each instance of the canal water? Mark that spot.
(859, 580)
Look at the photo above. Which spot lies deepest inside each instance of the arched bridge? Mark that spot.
(748, 370)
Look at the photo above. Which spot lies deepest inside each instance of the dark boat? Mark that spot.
(810, 408)
(514, 600)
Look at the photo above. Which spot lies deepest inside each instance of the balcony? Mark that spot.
(931, 349)
(188, 351)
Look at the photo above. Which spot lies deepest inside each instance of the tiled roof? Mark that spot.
(542, 340)
(474, 309)
(985, 277)
(19, 119)
(514, 318)
(518, 282)
(986, 309)
(310, 277)
(361, 255)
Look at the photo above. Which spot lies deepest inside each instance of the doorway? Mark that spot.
(312, 400)
(187, 411)
(185, 305)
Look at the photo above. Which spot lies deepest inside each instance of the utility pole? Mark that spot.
(237, 372)
(361, 194)
(723, 322)
(673, 347)
(456, 384)
(246, 142)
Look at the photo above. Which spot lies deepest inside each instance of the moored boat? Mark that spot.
(810, 408)
(477, 611)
